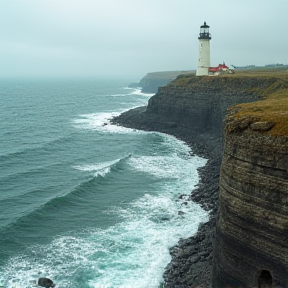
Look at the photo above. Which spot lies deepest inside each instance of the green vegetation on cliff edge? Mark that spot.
(274, 104)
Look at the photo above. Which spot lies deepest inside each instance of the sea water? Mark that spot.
(84, 202)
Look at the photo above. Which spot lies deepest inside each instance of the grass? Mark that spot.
(273, 107)
(272, 110)
(281, 71)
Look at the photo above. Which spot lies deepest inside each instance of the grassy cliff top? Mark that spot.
(188, 79)
(274, 106)
(274, 110)
(273, 90)
(265, 71)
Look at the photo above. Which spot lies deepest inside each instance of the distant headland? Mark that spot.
(153, 80)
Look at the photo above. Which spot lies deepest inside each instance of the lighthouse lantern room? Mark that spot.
(204, 51)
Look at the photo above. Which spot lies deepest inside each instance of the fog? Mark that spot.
(128, 38)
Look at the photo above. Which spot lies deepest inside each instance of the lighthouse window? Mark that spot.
(201, 45)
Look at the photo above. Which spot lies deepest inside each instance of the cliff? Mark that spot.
(251, 243)
(152, 81)
(196, 106)
(193, 108)
(200, 103)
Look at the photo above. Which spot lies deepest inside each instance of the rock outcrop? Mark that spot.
(251, 245)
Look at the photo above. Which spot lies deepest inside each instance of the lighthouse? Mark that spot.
(203, 63)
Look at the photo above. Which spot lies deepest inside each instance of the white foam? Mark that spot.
(95, 167)
(103, 171)
(98, 168)
(130, 88)
(138, 92)
(164, 166)
(175, 145)
(119, 95)
(177, 164)
(135, 251)
(100, 122)
(142, 241)
(132, 253)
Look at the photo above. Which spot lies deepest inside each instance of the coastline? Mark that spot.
(203, 111)
(192, 258)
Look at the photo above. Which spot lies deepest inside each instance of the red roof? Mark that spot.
(218, 68)
(223, 66)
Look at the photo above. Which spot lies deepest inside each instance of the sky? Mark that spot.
(129, 38)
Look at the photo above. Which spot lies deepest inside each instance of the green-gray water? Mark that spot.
(84, 202)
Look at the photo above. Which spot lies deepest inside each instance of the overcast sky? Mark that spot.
(70, 38)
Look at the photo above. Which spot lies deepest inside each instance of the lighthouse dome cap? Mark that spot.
(205, 25)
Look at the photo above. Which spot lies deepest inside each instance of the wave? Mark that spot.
(137, 243)
(138, 91)
(119, 95)
(172, 160)
(98, 171)
(159, 166)
(72, 196)
(101, 122)
(48, 145)
(101, 168)
(135, 91)
(16, 177)
(130, 88)
(141, 100)
(112, 257)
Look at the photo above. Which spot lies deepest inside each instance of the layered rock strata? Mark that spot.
(193, 109)
(251, 245)
(200, 103)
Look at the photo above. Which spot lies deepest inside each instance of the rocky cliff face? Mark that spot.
(193, 108)
(201, 102)
(251, 246)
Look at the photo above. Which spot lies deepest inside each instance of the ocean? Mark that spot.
(84, 202)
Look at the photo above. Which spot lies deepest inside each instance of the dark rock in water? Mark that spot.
(46, 282)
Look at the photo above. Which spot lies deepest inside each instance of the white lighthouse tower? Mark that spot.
(204, 51)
